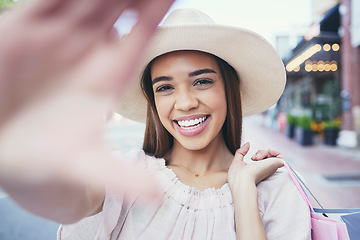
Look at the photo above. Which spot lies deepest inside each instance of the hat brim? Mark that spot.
(259, 67)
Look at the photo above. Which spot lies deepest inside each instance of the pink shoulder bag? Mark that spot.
(323, 227)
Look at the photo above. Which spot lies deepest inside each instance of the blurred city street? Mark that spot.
(17, 224)
(332, 173)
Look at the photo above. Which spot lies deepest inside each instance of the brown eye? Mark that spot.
(164, 88)
(203, 82)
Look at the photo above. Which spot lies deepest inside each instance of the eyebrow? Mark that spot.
(201, 71)
(192, 74)
(159, 79)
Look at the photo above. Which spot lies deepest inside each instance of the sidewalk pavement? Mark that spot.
(331, 172)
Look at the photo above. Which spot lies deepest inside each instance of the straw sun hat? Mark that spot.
(260, 69)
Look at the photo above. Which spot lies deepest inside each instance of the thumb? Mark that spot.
(241, 152)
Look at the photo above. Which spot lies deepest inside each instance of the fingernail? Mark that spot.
(239, 152)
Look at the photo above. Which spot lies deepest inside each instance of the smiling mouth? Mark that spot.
(191, 124)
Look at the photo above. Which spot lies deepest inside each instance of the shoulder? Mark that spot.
(276, 181)
(283, 210)
(278, 187)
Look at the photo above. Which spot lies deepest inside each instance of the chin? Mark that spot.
(193, 146)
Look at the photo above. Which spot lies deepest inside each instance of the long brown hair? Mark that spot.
(158, 141)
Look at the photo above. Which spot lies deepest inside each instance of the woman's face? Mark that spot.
(190, 97)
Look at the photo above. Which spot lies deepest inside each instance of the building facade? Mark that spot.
(324, 71)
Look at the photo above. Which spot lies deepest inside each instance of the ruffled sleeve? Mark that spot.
(285, 214)
(85, 229)
(101, 226)
(116, 208)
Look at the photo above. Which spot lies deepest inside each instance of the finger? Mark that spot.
(262, 154)
(113, 35)
(120, 59)
(259, 155)
(93, 19)
(274, 153)
(100, 15)
(80, 13)
(241, 152)
(44, 7)
(269, 167)
(130, 48)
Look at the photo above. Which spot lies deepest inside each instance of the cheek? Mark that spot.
(163, 109)
(218, 102)
(221, 107)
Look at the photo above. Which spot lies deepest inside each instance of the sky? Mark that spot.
(266, 17)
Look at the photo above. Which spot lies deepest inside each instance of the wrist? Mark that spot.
(247, 216)
(243, 186)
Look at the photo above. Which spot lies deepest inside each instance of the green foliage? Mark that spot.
(291, 119)
(6, 3)
(331, 124)
(304, 122)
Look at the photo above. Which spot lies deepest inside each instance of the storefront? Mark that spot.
(314, 82)
(313, 91)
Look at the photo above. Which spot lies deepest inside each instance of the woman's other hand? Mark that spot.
(263, 154)
(241, 172)
(243, 178)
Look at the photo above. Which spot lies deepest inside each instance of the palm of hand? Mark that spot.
(61, 71)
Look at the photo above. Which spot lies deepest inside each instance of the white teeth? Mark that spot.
(189, 124)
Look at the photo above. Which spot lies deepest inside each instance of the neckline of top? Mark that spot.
(170, 174)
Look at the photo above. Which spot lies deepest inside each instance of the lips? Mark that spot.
(191, 125)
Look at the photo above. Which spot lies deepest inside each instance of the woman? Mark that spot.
(204, 189)
(193, 133)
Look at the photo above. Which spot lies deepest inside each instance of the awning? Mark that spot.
(319, 50)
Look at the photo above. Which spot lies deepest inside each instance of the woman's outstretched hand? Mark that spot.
(62, 68)
(255, 171)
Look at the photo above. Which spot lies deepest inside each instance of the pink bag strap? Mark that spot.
(297, 184)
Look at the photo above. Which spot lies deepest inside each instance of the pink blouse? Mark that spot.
(188, 213)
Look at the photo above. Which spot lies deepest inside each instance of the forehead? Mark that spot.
(183, 60)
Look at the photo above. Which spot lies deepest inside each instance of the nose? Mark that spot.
(186, 100)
